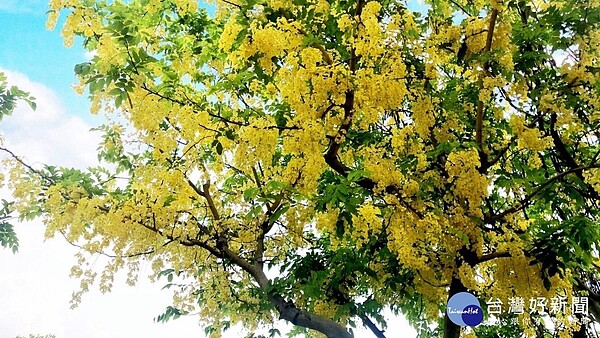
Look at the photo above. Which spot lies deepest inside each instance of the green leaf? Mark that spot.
(278, 214)
(8, 237)
(251, 193)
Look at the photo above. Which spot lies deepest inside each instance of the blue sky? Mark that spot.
(28, 48)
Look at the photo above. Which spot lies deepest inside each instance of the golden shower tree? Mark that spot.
(319, 161)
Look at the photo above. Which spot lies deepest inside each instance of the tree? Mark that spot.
(319, 161)
(9, 96)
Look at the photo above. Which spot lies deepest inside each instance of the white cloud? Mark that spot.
(34, 285)
(47, 135)
(35, 292)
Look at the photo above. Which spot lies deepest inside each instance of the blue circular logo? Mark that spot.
(464, 309)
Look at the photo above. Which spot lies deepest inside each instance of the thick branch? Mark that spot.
(205, 192)
(369, 323)
(491, 256)
(288, 311)
(324, 53)
(331, 157)
(210, 201)
(479, 118)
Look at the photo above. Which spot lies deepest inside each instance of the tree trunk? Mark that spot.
(452, 330)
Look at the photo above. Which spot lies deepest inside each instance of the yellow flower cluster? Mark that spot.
(403, 237)
(402, 140)
(366, 223)
(448, 36)
(468, 182)
(528, 138)
(325, 308)
(310, 58)
(549, 103)
(489, 85)
(108, 53)
(382, 170)
(515, 277)
(501, 40)
(186, 6)
(345, 22)
(257, 144)
(326, 221)
(592, 176)
(230, 32)
(271, 40)
(369, 42)
(369, 85)
(475, 32)
(423, 115)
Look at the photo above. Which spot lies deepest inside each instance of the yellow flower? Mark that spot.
(345, 22)
(230, 33)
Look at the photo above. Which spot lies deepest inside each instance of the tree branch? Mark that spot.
(331, 157)
(528, 199)
(491, 256)
(142, 253)
(369, 323)
(210, 201)
(479, 118)
(27, 166)
(287, 309)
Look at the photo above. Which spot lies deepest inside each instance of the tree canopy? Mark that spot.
(319, 161)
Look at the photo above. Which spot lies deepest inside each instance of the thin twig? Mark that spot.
(527, 200)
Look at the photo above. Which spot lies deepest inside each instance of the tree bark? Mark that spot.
(452, 330)
(287, 309)
(369, 323)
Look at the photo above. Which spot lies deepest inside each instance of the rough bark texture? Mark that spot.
(452, 330)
